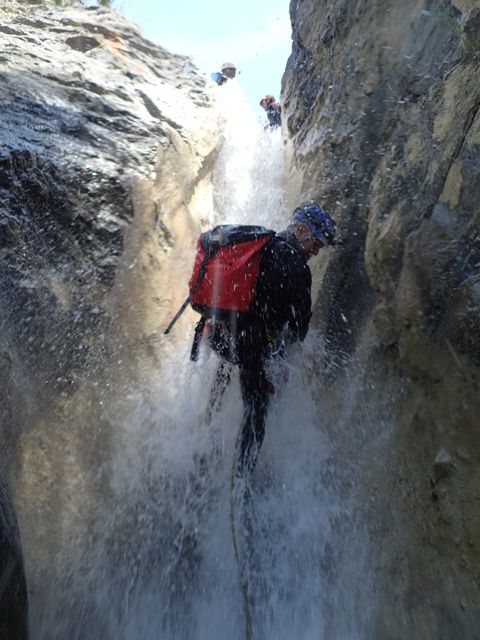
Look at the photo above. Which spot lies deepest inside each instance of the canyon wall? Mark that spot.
(106, 148)
(381, 102)
(106, 151)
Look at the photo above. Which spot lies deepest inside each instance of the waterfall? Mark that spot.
(154, 558)
(249, 177)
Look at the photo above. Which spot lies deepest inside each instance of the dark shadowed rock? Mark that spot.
(82, 43)
(443, 466)
(13, 589)
(382, 106)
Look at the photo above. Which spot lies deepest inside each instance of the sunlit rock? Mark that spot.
(381, 102)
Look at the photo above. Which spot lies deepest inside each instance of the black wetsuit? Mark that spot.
(274, 115)
(282, 299)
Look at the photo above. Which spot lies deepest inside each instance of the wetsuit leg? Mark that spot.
(220, 384)
(255, 397)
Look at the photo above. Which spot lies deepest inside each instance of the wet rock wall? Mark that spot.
(106, 144)
(382, 117)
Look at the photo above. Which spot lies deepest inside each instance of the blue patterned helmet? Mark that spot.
(318, 220)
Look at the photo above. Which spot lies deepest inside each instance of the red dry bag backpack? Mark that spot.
(226, 268)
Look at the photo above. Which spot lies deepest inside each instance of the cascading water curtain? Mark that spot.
(160, 560)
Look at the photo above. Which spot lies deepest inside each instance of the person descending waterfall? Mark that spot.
(229, 72)
(274, 111)
(252, 288)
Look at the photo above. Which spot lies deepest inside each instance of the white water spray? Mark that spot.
(249, 176)
(160, 561)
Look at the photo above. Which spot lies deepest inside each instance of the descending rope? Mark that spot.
(241, 573)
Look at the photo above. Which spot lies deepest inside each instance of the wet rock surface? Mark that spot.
(382, 106)
(105, 139)
(79, 124)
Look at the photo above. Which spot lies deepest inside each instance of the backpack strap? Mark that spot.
(197, 337)
(201, 275)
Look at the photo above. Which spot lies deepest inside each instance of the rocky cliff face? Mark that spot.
(106, 146)
(382, 107)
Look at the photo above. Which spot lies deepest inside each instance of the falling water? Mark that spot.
(151, 553)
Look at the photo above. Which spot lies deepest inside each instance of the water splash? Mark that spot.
(153, 558)
(249, 176)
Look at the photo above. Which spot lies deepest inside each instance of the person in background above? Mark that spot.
(273, 109)
(228, 72)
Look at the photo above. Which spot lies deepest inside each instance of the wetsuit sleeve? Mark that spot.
(283, 298)
(295, 287)
(301, 306)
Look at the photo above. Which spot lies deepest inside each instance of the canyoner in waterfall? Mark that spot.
(228, 72)
(252, 287)
(274, 111)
